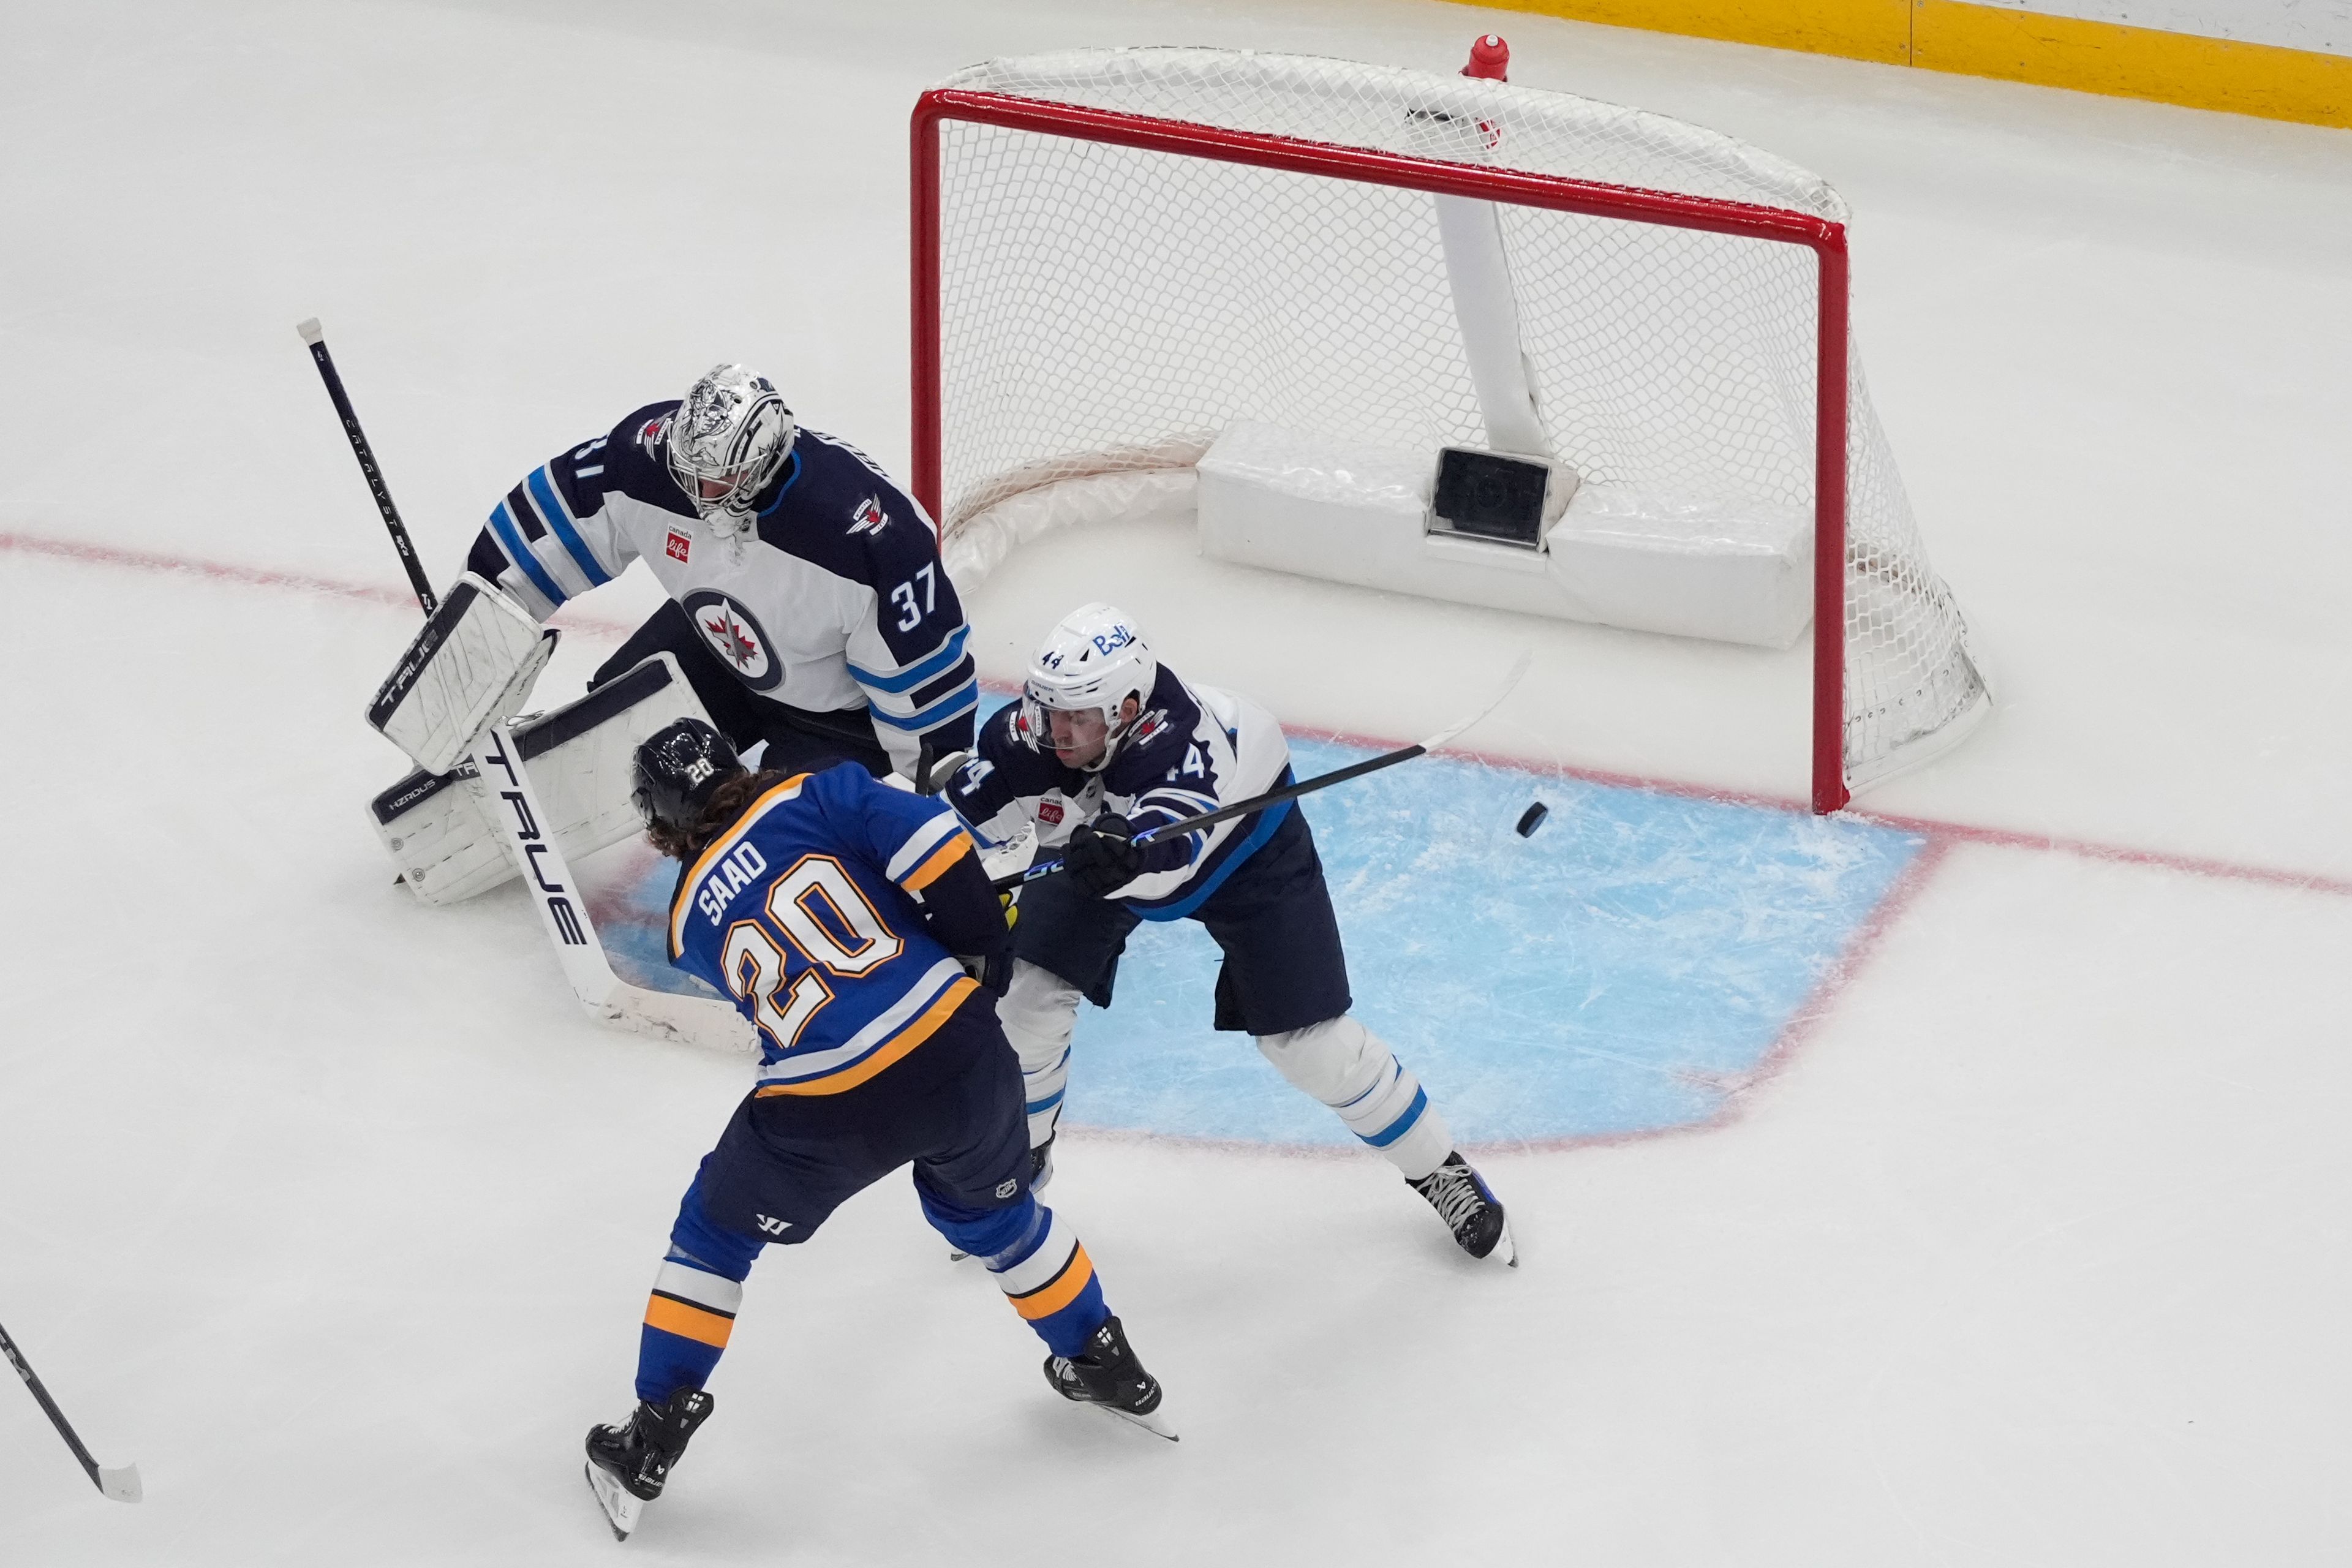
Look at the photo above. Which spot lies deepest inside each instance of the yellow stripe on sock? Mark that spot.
(1048, 1299)
(689, 1321)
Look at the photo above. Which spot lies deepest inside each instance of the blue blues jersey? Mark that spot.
(1193, 750)
(836, 599)
(808, 911)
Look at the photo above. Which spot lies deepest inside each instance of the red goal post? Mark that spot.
(942, 109)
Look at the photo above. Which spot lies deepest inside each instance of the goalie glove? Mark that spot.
(473, 664)
(1102, 855)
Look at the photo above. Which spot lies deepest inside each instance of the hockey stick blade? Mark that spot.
(1518, 672)
(1305, 786)
(120, 1485)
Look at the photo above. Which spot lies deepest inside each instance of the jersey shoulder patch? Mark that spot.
(636, 459)
(840, 512)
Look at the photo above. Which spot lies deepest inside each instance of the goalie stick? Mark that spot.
(1305, 786)
(494, 770)
(121, 1485)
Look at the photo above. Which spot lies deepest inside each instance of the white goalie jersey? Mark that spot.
(835, 600)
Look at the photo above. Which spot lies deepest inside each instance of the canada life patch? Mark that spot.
(679, 546)
(1049, 812)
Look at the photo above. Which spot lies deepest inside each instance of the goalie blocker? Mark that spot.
(472, 665)
(579, 758)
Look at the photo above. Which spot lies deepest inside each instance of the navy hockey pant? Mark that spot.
(952, 1108)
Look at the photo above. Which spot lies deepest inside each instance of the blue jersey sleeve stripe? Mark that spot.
(938, 713)
(909, 678)
(1234, 852)
(559, 517)
(510, 540)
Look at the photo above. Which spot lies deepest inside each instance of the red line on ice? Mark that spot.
(1941, 836)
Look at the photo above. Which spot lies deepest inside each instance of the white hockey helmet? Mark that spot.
(1090, 663)
(733, 432)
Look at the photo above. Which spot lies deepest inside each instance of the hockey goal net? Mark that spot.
(1117, 253)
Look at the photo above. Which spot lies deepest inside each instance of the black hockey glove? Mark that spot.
(1102, 855)
(993, 974)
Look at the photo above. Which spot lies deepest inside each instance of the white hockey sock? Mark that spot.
(1352, 1070)
(1038, 1012)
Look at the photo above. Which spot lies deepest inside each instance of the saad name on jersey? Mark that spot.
(730, 875)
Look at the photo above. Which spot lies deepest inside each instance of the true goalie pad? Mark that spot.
(473, 664)
(579, 758)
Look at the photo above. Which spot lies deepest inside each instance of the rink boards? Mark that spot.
(1625, 970)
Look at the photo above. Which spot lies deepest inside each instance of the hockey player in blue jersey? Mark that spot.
(831, 908)
(1107, 743)
(808, 608)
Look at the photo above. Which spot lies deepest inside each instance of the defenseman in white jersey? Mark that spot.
(1107, 743)
(808, 608)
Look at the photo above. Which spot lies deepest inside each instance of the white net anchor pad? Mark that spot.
(1086, 306)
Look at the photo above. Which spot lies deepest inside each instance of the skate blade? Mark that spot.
(1156, 1422)
(620, 1505)
(1506, 1245)
(121, 1485)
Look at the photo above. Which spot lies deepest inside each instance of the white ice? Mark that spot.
(332, 1214)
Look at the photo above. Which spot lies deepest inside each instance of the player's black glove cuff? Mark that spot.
(1102, 855)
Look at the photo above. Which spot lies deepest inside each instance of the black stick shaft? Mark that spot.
(366, 455)
(1238, 808)
(56, 1417)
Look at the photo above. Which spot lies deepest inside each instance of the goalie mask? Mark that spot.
(1091, 663)
(727, 441)
(678, 768)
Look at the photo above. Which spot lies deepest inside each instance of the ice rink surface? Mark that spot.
(2009, 1229)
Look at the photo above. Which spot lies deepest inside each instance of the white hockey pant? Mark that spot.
(1038, 1011)
(1352, 1070)
(1339, 1062)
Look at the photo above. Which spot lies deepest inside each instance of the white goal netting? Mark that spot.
(1104, 307)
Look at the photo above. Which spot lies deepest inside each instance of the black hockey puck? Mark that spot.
(1532, 818)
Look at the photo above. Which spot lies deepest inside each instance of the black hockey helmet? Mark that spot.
(679, 767)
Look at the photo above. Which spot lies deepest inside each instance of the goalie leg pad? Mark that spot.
(579, 758)
(1352, 1070)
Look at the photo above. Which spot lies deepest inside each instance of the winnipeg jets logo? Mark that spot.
(870, 517)
(650, 434)
(735, 636)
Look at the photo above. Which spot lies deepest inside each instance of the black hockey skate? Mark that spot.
(1108, 1374)
(1470, 1210)
(628, 1464)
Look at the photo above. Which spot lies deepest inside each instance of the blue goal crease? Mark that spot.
(1612, 974)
